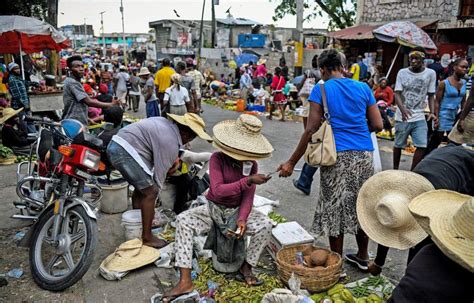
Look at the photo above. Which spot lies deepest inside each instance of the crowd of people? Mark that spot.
(429, 210)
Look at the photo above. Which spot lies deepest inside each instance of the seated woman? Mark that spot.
(234, 177)
(384, 97)
(14, 135)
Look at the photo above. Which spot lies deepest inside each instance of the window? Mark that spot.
(466, 8)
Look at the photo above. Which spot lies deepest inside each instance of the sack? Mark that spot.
(321, 150)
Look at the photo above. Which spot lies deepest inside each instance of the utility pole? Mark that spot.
(125, 61)
(53, 67)
(85, 33)
(104, 50)
(214, 25)
(299, 37)
(201, 30)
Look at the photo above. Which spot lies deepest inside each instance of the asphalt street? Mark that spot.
(140, 285)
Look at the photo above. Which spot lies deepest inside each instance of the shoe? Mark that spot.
(374, 269)
(295, 183)
(362, 264)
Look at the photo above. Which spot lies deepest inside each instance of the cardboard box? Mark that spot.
(286, 234)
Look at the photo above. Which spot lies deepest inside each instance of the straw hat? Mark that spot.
(143, 71)
(194, 122)
(175, 78)
(261, 61)
(382, 208)
(241, 139)
(7, 113)
(448, 217)
(130, 255)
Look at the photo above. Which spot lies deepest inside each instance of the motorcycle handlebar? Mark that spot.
(43, 121)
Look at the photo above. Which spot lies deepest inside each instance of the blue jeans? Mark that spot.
(306, 178)
(153, 109)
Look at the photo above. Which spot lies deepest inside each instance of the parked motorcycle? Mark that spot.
(63, 239)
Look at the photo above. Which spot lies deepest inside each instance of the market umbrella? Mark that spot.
(404, 33)
(28, 35)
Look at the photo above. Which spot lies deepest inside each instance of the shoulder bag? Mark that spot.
(321, 149)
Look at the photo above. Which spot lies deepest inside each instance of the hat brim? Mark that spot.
(238, 155)
(115, 262)
(227, 133)
(140, 74)
(11, 114)
(395, 182)
(435, 211)
(197, 129)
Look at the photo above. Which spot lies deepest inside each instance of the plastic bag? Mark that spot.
(377, 161)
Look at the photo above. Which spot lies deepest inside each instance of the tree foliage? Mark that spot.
(27, 8)
(341, 13)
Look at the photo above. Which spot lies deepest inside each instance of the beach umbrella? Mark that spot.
(20, 34)
(404, 33)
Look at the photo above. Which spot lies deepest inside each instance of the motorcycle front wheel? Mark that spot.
(57, 265)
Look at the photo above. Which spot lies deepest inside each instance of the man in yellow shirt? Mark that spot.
(355, 72)
(163, 81)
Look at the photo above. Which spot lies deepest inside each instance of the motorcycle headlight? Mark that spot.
(91, 160)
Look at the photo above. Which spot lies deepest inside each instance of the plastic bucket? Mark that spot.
(132, 223)
(115, 198)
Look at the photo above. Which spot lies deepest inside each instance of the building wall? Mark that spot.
(389, 10)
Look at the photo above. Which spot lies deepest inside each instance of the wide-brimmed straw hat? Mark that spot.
(448, 217)
(194, 122)
(144, 71)
(7, 113)
(175, 78)
(262, 61)
(382, 208)
(241, 139)
(130, 255)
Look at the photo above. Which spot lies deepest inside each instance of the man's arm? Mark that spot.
(466, 110)
(398, 101)
(95, 103)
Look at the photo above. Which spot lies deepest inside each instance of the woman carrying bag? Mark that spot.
(352, 114)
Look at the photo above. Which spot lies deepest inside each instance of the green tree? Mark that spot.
(27, 8)
(341, 13)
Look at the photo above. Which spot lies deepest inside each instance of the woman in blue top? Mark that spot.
(353, 115)
(450, 97)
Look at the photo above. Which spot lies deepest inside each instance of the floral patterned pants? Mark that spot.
(197, 222)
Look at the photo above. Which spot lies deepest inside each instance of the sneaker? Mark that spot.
(295, 183)
(362, 264)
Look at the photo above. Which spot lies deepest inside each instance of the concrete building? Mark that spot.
(133, 39)
(78, 34)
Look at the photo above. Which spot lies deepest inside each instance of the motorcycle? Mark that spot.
(63, 239)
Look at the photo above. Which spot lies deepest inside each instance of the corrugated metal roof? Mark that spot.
(238, 21)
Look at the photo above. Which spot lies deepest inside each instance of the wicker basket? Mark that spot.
(312, 279)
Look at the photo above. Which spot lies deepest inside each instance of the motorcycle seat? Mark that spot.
(93, 142)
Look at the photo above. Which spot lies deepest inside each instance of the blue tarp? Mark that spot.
(245, 59)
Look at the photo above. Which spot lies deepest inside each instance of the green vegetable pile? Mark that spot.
(277, 217)
(5, 152)
(231, 290)
(364, 289)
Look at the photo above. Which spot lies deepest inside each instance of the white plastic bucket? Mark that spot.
(115, 198)
(132, 223)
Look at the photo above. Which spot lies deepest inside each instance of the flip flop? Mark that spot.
(170, 298)
(243, 278)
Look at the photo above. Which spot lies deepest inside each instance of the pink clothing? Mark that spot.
(278, 83)
(229, 186)
(261, 71)
(94, 112)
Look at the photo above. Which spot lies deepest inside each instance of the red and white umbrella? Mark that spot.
(28, 35)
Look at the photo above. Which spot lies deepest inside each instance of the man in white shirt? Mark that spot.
(411, 88)
(120, 80)
(178, 97)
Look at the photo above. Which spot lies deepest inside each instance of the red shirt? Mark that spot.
(385, 94)
(229, 186)
(278, 84)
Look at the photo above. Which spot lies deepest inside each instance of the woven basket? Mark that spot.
(312, 279)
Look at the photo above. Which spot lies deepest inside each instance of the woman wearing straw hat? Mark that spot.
(14, 135)
(144, 152)
(149, 95)
(353, 115)
(234, 177)
(443, 271)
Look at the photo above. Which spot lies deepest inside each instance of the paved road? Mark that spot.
(140, 284)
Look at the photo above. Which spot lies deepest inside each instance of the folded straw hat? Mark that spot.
(194, 122)
(382, 208)
(448, 217)
(242, 137)
(7, 113)
(130, 255)
(144, 71)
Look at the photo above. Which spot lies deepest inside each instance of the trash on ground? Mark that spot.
(19, 235)
(15, 273)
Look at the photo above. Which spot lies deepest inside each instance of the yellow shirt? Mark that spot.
(163, 78)
(355, 71)
(471, 70)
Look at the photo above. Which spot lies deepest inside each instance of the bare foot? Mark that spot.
(155, 242)
(180, 289)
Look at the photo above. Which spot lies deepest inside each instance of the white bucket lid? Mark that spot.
(132, 216)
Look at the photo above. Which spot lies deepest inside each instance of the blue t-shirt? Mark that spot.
(363, 71)
(347, 105)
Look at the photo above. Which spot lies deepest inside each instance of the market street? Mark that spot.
(139, 285)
